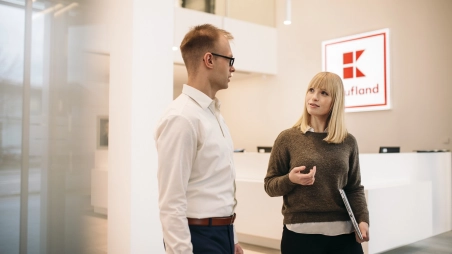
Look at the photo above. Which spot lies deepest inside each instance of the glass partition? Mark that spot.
(53, 89)
(11, 80)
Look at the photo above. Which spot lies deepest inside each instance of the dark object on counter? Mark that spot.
(389, 149)
(264, 149)
(433, 151)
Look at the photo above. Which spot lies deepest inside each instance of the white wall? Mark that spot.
(258, 109)
(140, 87)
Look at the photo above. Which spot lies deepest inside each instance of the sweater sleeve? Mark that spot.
(354, 189)
(277, 182)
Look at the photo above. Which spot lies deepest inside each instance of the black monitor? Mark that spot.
(389, 149)
(264, 149)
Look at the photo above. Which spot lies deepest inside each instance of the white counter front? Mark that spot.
(409, 198)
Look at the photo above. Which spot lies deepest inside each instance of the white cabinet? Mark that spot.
(254, 46)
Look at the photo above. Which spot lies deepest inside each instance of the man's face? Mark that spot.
(223, 70)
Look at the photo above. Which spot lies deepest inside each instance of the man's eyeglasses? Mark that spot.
(231, 59)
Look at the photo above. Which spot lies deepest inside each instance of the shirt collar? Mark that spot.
(201, 98)
(312, 129)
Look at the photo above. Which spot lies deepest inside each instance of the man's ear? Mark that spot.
(208, 60)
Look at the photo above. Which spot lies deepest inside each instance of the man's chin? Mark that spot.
(223, 87)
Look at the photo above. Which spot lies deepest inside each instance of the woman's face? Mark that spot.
(318, 102)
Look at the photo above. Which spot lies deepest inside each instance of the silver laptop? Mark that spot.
(350, 213)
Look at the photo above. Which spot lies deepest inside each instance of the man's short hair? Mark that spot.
(199, 40)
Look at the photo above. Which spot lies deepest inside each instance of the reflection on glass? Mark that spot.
(11, 78)
(68, 90)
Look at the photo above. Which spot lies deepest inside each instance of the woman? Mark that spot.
(315, 218)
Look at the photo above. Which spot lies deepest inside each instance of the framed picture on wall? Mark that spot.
(102, 132)
(205, 6)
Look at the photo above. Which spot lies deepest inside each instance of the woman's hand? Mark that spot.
(297, 177)
(364, 227)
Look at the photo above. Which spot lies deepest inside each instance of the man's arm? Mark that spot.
(176, 146)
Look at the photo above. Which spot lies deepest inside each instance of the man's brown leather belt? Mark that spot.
(216, 221)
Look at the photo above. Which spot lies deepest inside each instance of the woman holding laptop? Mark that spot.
(309, 164)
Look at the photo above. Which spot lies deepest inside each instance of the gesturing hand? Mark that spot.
(297, 177)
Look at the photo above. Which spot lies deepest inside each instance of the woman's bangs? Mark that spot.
(323, 83)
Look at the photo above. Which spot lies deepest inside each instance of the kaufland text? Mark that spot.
(355, 90)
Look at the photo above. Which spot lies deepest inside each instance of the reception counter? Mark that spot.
(409, 198)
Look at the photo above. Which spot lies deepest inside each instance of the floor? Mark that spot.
(439, 244)
(253, 249)
(95, 234)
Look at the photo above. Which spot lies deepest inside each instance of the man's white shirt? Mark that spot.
(196, 170)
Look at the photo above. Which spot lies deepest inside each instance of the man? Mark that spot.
(196, 171)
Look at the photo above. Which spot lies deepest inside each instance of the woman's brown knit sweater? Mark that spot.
(337, 167)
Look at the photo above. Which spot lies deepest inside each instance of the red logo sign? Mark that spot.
(362, 60)
(348, 60)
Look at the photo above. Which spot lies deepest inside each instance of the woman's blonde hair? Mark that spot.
(332, 84)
